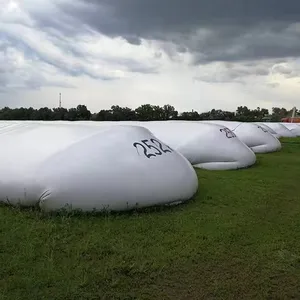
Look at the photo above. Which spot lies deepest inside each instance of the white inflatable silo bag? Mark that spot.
(206, 146)
(293, 127)
(269, 129)
(254, 136)
(280, 129)
(91, 168)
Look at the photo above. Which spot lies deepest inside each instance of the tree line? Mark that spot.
(146, 112)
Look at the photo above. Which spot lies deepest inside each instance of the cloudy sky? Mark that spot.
(193, 54)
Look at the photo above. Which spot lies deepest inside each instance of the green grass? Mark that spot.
(238, 239)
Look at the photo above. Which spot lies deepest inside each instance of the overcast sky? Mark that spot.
(193, 54)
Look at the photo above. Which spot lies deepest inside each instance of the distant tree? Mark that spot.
(72, 114)
(145, 112)
(169, 112)
(45, 113)
(5, 113)
(278, 114)
(189, 115)
(104, 115)
(83, 113)
(218, 114)
(243, 113)
(122, 113)
(60, 113)
(94, 117)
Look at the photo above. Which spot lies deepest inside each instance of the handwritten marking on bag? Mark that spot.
(228, 132)
(152, 148)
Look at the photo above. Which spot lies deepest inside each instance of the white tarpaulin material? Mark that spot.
(90, 168)
(280, 129)
(207, 146)
(254, 136)
(293, 127)
(269, 129)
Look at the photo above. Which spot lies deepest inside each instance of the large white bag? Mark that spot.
(293, 127)
(254, 136)
(60, 166)
(280, 129)
(207, 146)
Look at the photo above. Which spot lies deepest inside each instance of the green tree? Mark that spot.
(72, 114)
(83, 113)
(144, 112)
(60, 113)
(169, 112)
(122, 113)
(278, 114)
(189, 115)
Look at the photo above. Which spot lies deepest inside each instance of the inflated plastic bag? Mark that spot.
(88, 168)
(253, 135)
(205, 145)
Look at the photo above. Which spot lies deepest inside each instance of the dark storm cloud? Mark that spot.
(230, 30)
(153, 17)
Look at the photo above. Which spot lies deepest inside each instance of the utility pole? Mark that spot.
(59, 103)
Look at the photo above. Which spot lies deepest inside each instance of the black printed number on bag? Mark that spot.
(154, 141)
(263, 129)
(152, 148)
(228, 132)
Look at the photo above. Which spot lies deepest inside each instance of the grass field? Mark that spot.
(239, 238)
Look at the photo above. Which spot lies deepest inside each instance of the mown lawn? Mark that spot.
(238, 239)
